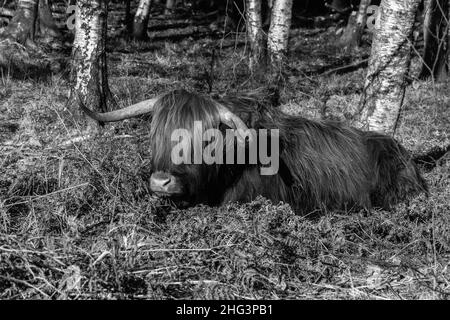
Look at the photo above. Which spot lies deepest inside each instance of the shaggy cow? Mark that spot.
(322, 164)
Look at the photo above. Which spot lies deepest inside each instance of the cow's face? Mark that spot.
(173, 133)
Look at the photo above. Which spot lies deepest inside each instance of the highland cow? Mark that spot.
(322, 164)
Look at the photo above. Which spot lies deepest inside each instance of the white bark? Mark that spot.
(279, 31)
(143, 10)
(88, 54)
(389, 63)
(141, 19)
(254, 32)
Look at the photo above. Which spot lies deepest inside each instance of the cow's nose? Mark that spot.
(165, 184)
(159, 181)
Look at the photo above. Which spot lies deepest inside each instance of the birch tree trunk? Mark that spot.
(89, 72)
(141, 18)
(355, 27)
(255, 33)
(22, 26)
(436, 40)
(384, 88)
(278, 37)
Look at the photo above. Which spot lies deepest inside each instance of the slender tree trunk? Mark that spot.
(355, 27)
(128, 18)
(89, 72)
(141, 18)
(266, 9)
(448, 37)
(169, 6)
(255, 33)
(436, 40)
(47, 24)
(384, 88)
(278, 37)
(21, 28)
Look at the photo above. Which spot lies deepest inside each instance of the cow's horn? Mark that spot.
(233, 121)
(134, 110)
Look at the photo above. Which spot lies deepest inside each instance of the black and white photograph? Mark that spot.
(247, 151)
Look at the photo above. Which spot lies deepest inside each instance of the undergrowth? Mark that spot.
(77, 219)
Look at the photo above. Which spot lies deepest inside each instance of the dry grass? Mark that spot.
(77, 220)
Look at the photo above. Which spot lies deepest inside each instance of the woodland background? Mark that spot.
(77, 218)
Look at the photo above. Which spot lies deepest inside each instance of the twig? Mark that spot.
(354, 65)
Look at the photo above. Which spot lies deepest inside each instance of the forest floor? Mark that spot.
(77, 219)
